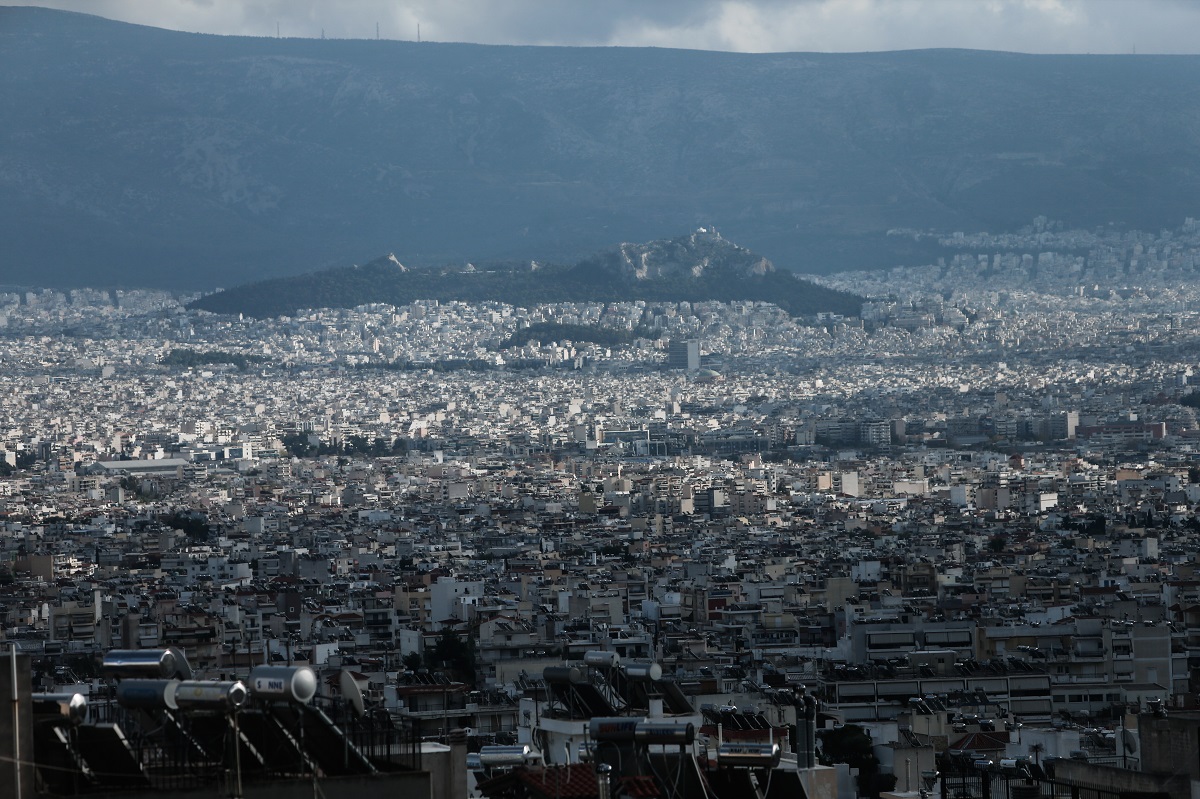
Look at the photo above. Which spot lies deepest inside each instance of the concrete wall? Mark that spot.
(1171, 745)
(1111, 778)
(820, 782)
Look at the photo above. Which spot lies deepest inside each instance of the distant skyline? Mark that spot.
(1031, 26)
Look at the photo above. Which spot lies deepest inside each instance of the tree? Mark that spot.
(195, 526)
(453, 654)
(412, 661)
(297, 445)
(852, 745)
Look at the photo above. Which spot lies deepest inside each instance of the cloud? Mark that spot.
(1073, 26)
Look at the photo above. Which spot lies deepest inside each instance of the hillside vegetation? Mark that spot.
(692, 268)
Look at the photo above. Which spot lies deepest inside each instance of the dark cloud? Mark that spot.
(1073, 26)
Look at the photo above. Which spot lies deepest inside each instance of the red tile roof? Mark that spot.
(574, 781)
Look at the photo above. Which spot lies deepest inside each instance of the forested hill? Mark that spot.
(702, 266)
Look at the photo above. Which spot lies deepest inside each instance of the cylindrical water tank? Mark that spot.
(643, 671)
(503, 755)
(562, 674)
(288, 683)
(748, 755)
(72, 707)
(665, 732)
(601, 658)
(147, 694)
(148, 663)
(614, 728)
(210, 695)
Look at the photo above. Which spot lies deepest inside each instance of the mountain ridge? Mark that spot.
(138, 156)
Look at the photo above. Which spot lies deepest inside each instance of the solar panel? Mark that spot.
(112, 760)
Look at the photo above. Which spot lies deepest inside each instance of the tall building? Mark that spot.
(684, 354)
(875, 433)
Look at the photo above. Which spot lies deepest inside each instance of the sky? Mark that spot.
(1032, 26)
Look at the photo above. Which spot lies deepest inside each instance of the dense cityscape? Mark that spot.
(964, 521)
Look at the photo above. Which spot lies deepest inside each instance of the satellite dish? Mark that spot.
(351, 692)
(1129, 741)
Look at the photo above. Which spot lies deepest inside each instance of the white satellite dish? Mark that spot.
(1130, 741)
(351, 692)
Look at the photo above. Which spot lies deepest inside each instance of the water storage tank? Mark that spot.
(614, 728)
(72, 707)
(149, 663)
(748, 755)
(503, 755)
(210, 695)
(665, 733)
(601, 658)
(562, 674)
(147, 694)
(284, 683)
(643, 671)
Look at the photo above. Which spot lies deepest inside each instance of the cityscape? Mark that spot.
(965, 516)
(729, 399)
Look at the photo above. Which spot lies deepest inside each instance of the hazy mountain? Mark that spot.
(132, 155)
(702, 266)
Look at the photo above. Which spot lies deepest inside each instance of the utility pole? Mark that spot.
(16, 712)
